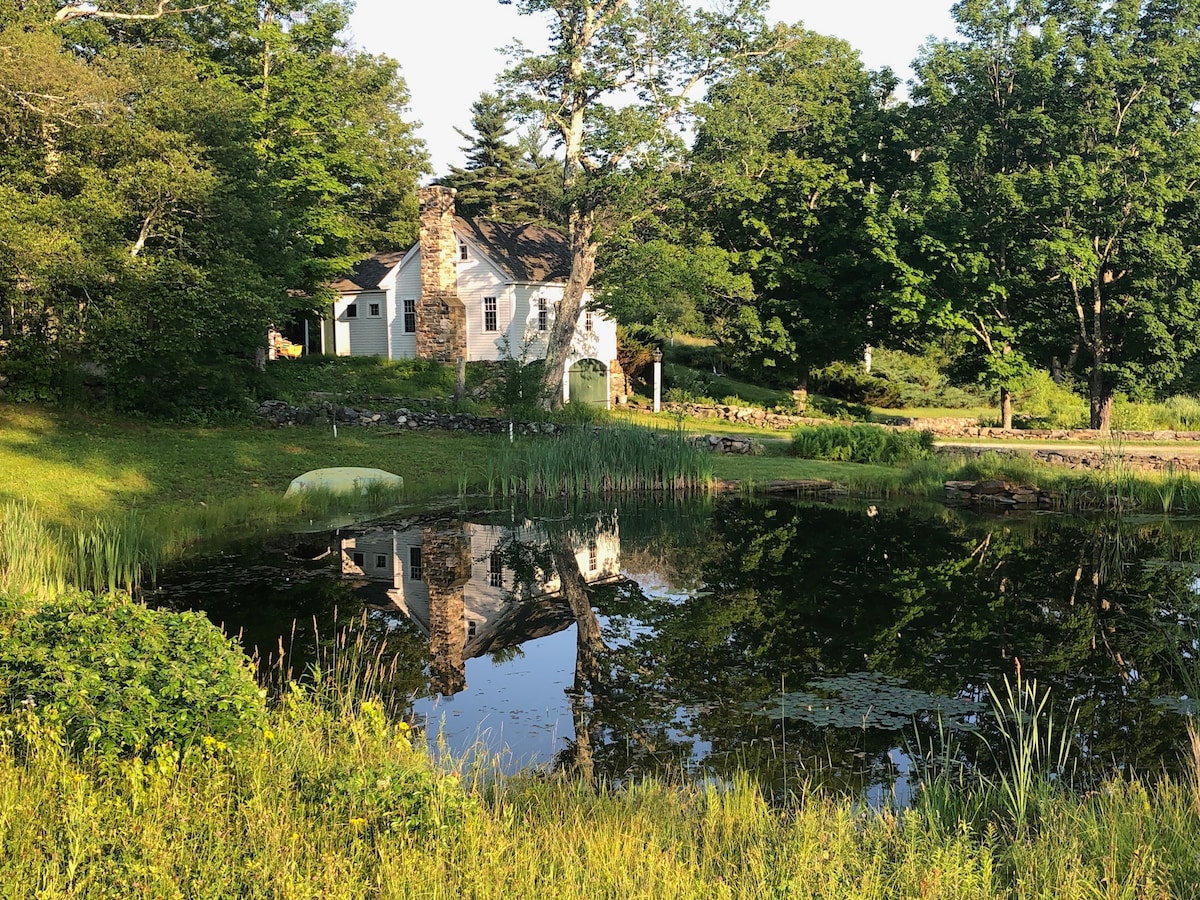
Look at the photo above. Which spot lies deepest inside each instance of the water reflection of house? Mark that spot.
(473, 589)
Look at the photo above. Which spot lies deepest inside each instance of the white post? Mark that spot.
(656, 355)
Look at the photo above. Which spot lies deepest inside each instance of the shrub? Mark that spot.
(1178, 413)
(121, 678)
(1041, 402)
(861, 444)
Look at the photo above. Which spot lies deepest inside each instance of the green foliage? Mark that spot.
(861, 444)
(516, 386)
(181, 183)
(122, 679)
(1180, 412)
(1041, 402)
(355, 379)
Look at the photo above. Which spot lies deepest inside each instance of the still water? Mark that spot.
(659, 637)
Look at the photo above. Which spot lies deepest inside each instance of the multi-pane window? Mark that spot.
(462, 251)
(496, 570)
(587, 321)
(373, 310)
(380, 561)
(414, 564)
(410, 316)
(352, 311)
(592, 556)
(489, 313)
(543, 314)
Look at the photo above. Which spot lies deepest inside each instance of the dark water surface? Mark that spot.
(779, 637)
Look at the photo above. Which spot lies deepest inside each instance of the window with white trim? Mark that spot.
(543, 314)
(414, 564)
(462, 250)
(587, 322)
(352, 311)
(496, 570)
(410, 316)
(489, 314)
(373, 310)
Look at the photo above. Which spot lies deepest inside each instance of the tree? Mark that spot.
(617, 77)
(492, 185)
(177, 179)
(786, 174)
(1059, 186)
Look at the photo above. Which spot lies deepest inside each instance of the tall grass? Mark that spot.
(349, 805)
(124, 551)
(1034, 749)
(861, 444)
(616, 459)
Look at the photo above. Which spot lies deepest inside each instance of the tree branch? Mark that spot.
(84, 11)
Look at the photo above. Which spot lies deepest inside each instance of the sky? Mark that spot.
(449, 50)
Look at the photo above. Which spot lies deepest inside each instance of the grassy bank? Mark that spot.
(334, 801)
(330, 798)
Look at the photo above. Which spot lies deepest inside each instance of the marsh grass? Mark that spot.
(123, 551)
(349, 805)
(1033, 757)
(583, 461)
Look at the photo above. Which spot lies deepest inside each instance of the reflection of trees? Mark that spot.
(795, 593)
(289, 611)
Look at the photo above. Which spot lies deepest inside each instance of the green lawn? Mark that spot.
(74, 466)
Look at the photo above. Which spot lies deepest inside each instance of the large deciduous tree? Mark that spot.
(615, 81)
(1059, 184)
(787, 175)
(175, 178)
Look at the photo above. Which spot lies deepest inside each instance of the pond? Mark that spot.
(789, 639)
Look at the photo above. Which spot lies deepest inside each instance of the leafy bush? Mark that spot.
(897, 380)
(121, 678)
(1178, 413)
(1041, 402)
(516, 388)
(861, 444)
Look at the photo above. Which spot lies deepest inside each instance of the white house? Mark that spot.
(456, 584)
(475, 289)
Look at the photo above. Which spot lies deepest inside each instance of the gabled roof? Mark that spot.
(528, 253)
(367, 274)
(525, 252)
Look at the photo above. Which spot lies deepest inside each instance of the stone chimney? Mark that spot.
(441, 316)
(446, 564)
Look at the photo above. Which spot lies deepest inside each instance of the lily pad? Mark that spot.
(865, 700)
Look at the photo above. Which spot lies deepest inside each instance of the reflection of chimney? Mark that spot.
(446, 567)
(441, 316)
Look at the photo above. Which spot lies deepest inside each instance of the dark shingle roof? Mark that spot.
(367, 274)
(525, 252)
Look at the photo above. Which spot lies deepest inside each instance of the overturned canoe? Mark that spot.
(344, 480)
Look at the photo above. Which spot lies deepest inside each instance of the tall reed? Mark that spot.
(586, 460)
(125, 550)
(1034, 747)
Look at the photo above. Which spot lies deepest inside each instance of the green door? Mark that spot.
(588, 382)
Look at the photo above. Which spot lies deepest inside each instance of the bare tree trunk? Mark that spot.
(589, 645)
(583, 264)
(1006, 408)
(1100, 397)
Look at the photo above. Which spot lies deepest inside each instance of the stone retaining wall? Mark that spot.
(417, 416)
(1091, 459)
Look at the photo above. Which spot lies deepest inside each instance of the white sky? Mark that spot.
(449, 49)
